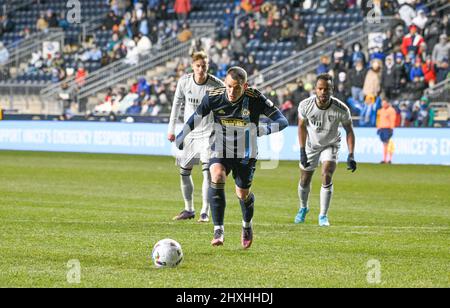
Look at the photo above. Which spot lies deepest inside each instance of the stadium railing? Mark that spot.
(120, 71)
(25, 48)
(303, 63)
(13, 5)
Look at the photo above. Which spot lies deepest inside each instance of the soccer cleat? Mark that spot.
(203, 218)
(218, 238)
(301, 215)
(323, 221)
(185, 215)
(247, 237)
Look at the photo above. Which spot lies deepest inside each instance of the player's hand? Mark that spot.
(304, 158)
(179, 142)
(351, 163)
(171, 137)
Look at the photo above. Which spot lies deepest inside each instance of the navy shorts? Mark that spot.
(386, 134)
(243, 170)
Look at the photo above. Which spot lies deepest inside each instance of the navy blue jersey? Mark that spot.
(236, 124)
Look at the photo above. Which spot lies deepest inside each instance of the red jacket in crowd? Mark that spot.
(182, 6)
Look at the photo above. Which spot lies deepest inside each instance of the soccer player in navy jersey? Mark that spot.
(236, 109)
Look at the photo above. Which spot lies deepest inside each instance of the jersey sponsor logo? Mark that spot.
(233, 122)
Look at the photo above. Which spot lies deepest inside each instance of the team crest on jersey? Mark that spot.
(332, 118)
(245, 113)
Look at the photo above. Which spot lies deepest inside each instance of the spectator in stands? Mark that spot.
(299, 94)
(372, 83)
(420, 20)
(110, 21)
(416, 71)
(81, 75)
(182, 8)
(6, 25)
(62, 22)
(324, 66)
(342, 93)
(319, 35)
(356, 81)
(297, 24)
(443, 70)
(432, 31)
(429, 72)
(185, 34)
(42, 23)
(425, 115)
(388, 78)
(414, 90)
(272, 95)
(4, 54)
(412, 42)
(357, 54)
(286, 32)
(338, 5)
(238, 44)
(441, 50)
(51, 19)
(301, 41)
(339, 54)
(408, 12)
(389, 7)
(386, 123)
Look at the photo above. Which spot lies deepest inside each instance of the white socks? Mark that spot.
(205, 188)
(187, 189)
(326, 193)
(303, 194)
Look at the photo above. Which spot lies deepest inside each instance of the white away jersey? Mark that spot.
(190, 94)
(323, 124)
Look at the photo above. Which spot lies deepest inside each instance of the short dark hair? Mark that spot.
(325, 77)
(238, 73)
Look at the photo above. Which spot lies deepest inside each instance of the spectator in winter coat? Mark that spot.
(182, 8)
(412, 41)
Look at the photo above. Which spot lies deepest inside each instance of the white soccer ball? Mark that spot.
(167, 253)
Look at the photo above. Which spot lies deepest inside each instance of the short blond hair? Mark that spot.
(200, 55)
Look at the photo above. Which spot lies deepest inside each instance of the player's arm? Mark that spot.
(302, 136)
(278, 121)
(351, 140)
(178, 101)
(195, 120)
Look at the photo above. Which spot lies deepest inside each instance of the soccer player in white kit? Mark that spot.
(319, 138)
(190, 91)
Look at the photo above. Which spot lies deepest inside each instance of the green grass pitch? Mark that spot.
(107, 211)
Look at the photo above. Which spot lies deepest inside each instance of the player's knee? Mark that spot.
(218, 177)
(242, 194)
(327, 177)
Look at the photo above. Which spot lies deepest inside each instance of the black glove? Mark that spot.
(351, 163)
(304, 158)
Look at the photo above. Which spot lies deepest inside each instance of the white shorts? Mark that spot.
(325, 154)
(195, 151)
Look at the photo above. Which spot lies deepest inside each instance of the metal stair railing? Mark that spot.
(120, 70)
(13, 5)
(440, 91)
(305, 62)
(34, 43)
(170, 50)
